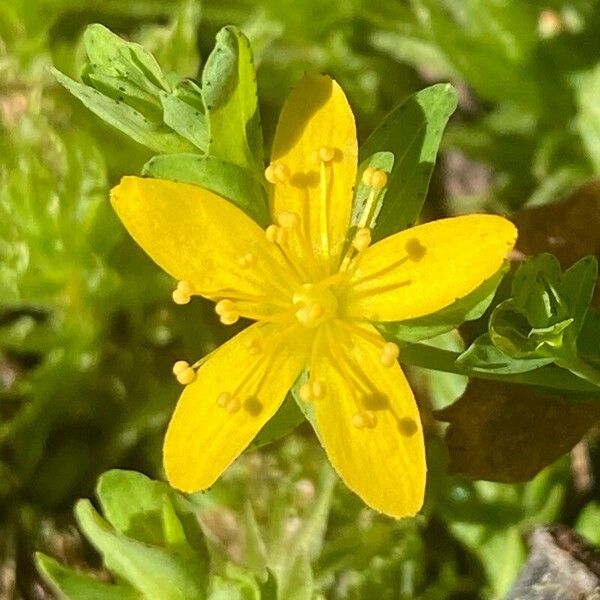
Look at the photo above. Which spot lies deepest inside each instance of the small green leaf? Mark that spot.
(412, 133)
(155, 136)
(535, 291)
(482, 356)
(111, 55)
(154, 571)
(229, 90)
(469, 308)
(577, 288)
(184, 113)
(226, 179)
(78, 586)
(511, 333)
(132, 504)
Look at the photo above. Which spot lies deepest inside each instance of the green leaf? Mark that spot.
(482, 356)
(111, 55)
(412, 132)
(229, 89)
(132, 504)
(577, 288)
(535, 291)
(78, 586)
(155, 572)
(155, 136)
(135, 506)
(184, 113)
(511, 333)
(226, 179)
(469, 308)
(237, 583)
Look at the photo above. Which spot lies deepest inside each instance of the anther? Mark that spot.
(277, 173)
(326, 153)
(367, 175)
(179, 366)
(182, 293)
(362, 239)
(312, 390)
(229, 317)
(364, 420)
(233, 405)
(379, 179)
(374, 178)
(183, 372)
(389, 354)
(223, 399)
(224, 306)
(288, 220)
(253, 346)
(271, 233)
(247, 260)
(306, 394)
(318, 390)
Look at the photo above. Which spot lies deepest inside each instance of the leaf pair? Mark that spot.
(540, 323)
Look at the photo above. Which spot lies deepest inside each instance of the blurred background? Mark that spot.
(88, 333)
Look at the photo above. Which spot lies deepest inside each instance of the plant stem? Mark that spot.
(552, 377)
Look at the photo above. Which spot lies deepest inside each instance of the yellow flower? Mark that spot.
(314, 285)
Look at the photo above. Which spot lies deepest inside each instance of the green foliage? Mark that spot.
(540, 323)
(412, 132)
(87, 335)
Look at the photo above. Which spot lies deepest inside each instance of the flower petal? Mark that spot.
(426, 268)
(317, 115)
(384, 464)
(203, 438)
(199, 237)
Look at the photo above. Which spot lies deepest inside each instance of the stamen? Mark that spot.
(223, 399)
(289, 220)
(254, 346)
(277, 173)
(389, 354)
(233, 406)
(326, 153)
(182, 293)
(374, 178)
(271, 233)
(364, 420)
(312, 390)
(362, 239)
(247, 260)
(224, 306)
(229, 318)
(183, 372)
(227, 311)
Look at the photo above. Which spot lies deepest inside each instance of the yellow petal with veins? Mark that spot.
(316, 138)
(384, 461)
(235, 393)
(426, 268)
(201, 238)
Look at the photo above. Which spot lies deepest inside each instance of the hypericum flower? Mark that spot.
(314, 284)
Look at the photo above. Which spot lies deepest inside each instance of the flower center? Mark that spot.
(314, 305)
